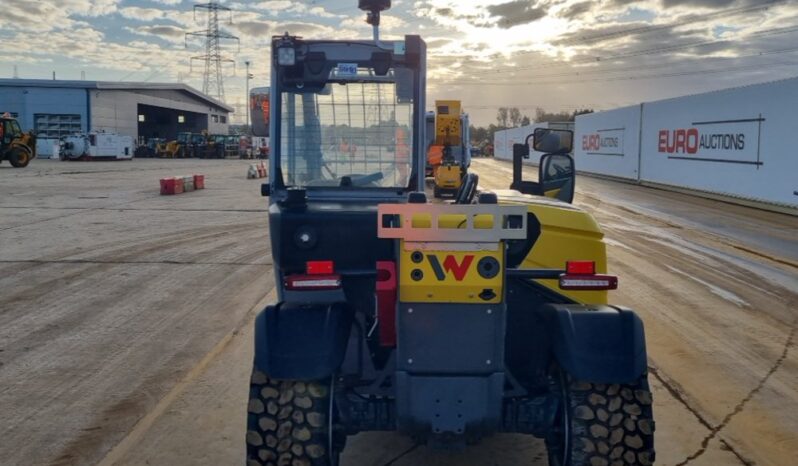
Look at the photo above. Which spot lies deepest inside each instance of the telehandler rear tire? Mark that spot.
(19, 158)
(288, 423)
(604, 425)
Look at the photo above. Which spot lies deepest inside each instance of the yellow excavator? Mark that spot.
(15, 146)
(448, 154)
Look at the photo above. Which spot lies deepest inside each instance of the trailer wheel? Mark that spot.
(19, 158)
(603, 424)
(288, 423)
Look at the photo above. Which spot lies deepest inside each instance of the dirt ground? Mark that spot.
(125, 319)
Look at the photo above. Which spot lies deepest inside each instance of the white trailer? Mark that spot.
(608, 143)
(97, 145)
(503, 140)
(48, 148)
(735, 143)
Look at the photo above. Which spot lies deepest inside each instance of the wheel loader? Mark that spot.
(185, 145)
(449, 152)
(15, 146)
(170, 149)
(447, 322)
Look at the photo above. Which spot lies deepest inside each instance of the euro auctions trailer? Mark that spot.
(608, 143)
(503, 140)
(737, 143)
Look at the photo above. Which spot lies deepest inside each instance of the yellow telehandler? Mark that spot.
(448, 155)
(15, 146)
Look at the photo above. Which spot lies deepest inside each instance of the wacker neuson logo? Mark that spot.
(728, 141)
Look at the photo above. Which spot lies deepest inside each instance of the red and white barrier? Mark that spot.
(256, 170)
(182, 184)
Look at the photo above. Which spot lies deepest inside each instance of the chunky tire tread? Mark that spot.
(19, 158)
(612, 424)
(287, 423)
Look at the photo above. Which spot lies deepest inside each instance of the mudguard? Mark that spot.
(301, 341)
(599, 344)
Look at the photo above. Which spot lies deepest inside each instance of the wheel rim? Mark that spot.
(561, 440)
(330, 421)
(566, 420)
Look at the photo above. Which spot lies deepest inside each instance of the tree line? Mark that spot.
(511, 117)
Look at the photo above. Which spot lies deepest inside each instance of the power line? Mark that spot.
(213, 79)
(664, 27)
(631, 78)
(572, 73)
(632, 54)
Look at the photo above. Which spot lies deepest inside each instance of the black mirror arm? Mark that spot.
(526, 143)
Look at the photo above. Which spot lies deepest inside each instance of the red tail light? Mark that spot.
(386, 302)
(319, 267)
(580, 268)
(312, 282)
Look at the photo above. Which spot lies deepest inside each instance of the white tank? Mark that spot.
(74, 147)
(97, 145)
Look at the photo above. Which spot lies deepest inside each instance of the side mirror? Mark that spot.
(553, 141)
(265, 189)
(557, 176)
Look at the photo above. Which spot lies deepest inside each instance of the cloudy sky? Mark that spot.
(555, 54)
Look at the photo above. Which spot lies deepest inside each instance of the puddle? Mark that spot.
(716, 290)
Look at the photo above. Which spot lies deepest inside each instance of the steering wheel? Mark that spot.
(468, 189)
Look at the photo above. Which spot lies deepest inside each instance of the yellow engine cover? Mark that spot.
(448, 177)
(566, 233)
(447, 122)
(451, 276)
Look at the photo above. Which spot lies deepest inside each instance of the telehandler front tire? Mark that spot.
(19, 158)
(604, 425)
(288, 423)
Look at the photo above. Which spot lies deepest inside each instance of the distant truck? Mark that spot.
(149, 149)
(260, 147)
(97, 146)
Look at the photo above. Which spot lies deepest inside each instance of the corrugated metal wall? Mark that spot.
(29, 101)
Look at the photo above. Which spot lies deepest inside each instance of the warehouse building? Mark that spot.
(54, 108)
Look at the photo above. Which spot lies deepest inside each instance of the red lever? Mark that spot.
(386, 302)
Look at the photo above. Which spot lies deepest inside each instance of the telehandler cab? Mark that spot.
(449, 151)
(446, 322)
